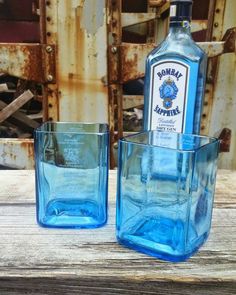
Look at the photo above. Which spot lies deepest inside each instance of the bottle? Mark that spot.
(175, 77)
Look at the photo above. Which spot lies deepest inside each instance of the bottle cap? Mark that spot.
(180, 10)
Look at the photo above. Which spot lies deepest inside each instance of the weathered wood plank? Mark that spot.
(3, 87)
(20, 119)
(132, 101)
(16, 104)
(35, 260)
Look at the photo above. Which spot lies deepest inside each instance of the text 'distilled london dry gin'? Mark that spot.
(175, 77)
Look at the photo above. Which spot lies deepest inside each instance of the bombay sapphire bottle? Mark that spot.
(175, 77)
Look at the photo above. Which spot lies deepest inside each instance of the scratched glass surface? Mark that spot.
(71, 174)
(166, 185)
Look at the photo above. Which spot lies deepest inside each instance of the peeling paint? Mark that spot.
(92, 17)
(17, 153)
(82, 60)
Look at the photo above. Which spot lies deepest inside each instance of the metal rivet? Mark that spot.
(114, 49)
(49, 49)
(216, 25)
(50, 78)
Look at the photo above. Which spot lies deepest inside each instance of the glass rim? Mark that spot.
(212, 140)
(40, 130)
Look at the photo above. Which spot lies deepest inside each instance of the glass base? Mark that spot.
(71, 213)
(162, 238)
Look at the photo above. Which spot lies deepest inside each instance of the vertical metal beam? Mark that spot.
(115, 89)
(49, 27)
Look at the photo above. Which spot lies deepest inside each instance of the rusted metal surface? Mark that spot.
(157, 3)
(211, 15)
(113, 63)
(161, 9)
(213, 49)
(42, 21)
(49, 27)
(223, 108)
(199, 25)
(28, 61)
(115, 117)
(78, 30)
(132, 58)
(214, 32)
(225, 140)
(129, 19)
(115, 88)
(230, 40)
(81, 37)
(17, 153)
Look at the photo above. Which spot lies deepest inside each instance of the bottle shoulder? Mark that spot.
(183, 48)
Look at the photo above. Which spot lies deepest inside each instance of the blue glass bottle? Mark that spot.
(175, 77)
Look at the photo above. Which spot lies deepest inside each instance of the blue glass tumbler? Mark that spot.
(71, 174)
(165, 193)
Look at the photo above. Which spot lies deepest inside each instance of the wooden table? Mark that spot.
(35, 260)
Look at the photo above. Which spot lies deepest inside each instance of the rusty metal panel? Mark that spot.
(199, 25)
(132, 58)
(223, 110)
(28, 61)
(82, 60)
(129, 19)
(49, 35)
(17, 153)
(115, 89)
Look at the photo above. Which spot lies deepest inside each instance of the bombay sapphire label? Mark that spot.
(168, 96)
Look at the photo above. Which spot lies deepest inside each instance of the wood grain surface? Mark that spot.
(35, 260)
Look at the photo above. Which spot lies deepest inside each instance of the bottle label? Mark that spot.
(173, 9)
(168, 95)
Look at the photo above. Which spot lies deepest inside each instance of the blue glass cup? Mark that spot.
(71, 174)
(165, 193)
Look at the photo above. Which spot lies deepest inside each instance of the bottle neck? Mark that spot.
(180, 17)
(180, 28)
